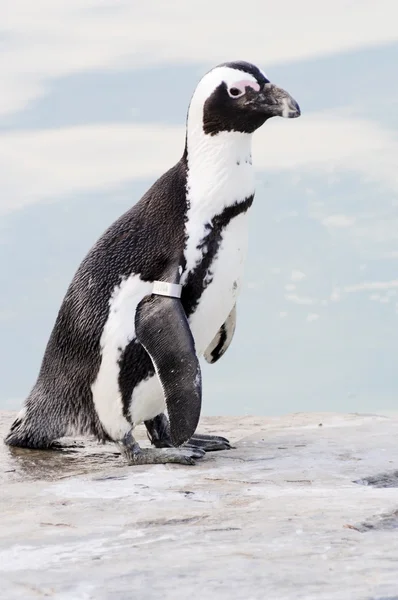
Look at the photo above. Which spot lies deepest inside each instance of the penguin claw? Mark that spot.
(189, 456)
(197, 451)
(210, 443)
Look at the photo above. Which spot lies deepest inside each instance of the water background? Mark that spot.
(93, 110)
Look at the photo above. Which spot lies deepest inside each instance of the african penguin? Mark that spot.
(159, 289)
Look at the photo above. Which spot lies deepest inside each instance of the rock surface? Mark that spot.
(305, 507)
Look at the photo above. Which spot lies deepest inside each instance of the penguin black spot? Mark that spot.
(196, 280)
(216, 353)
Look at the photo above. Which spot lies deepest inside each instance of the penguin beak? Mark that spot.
(276, 102)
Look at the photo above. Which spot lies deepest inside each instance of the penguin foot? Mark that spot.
(209, 443)
(150, 456)
(159, 435)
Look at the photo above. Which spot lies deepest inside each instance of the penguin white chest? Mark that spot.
(220, 184)
(222, 283)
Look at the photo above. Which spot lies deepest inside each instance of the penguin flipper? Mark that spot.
(162, 328)
(222, 339)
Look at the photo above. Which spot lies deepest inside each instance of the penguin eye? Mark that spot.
(235, 92)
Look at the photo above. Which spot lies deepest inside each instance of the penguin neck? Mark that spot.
(219, 170)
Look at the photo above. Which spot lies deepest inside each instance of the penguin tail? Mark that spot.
(35, 426)
(26, 432)
(15, 436)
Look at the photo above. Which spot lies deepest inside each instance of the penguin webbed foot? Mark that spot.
(158, 430)
(135, 455)
(209, 443)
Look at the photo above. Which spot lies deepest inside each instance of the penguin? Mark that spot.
(158, 290)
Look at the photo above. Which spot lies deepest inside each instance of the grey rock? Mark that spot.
(283, 516)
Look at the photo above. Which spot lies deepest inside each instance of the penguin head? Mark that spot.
(237, 96)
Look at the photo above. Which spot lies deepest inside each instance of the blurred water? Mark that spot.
(317, 318)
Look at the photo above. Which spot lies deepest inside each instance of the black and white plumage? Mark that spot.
(119, 355)
(220, 344)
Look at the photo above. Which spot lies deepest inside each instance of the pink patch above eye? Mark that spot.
(242, 85)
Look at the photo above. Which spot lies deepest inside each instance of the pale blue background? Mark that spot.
(329, 344)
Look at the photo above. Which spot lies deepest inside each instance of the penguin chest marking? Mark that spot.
(221, 284)
(220, 193)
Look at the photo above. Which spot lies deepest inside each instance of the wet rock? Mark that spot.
(279, 517)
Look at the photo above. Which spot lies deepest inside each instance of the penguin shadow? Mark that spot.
(60, 461)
